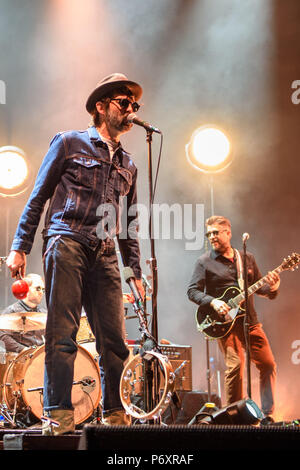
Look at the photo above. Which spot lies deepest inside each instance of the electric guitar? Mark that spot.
(213, 325)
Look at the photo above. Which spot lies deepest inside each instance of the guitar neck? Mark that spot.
(255, 287)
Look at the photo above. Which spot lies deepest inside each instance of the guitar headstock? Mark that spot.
(291, 262)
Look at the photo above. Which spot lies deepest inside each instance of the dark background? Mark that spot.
(223, 62)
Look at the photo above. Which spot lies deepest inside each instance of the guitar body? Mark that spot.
(211, 323)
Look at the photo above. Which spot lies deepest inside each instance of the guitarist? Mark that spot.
(213, 273)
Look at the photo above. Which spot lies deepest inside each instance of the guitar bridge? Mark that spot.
(207, 322)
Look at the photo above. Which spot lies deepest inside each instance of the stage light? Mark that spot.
(209, 150)
(241, 412)
(13, 171)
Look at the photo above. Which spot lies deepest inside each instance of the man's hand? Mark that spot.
(16, 262)
(221, 308)
(273, 280)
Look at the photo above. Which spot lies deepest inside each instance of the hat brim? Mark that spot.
(106, 88)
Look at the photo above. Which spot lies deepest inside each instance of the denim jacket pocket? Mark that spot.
(85, 169)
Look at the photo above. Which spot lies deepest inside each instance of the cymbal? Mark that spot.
(23, 321)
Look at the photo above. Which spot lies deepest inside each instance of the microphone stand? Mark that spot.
(246, 321)
(152, 261)
(152, 379)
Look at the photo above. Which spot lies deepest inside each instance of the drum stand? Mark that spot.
(10, 415)
(150, 368)
(5, 413)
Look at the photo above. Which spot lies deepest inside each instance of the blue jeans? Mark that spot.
(76, 276)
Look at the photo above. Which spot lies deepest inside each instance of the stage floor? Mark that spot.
(115, 442)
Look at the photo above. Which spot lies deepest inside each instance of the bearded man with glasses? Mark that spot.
(214, 272)
(86, 175)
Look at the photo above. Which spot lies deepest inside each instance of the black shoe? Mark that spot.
(267, 421)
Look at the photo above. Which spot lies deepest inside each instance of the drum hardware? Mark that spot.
(36, 389)
(129, 299)
(7, 415)
(87, 384)
(142, 375)
(135, 316)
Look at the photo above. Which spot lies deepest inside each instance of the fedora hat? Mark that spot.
(107, 84)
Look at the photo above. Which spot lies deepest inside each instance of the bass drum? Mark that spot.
(24, 380)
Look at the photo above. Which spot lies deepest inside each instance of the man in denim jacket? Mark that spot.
(88, 178)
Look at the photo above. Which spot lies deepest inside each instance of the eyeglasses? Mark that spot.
(40, 289)
(124, 103)
(214, 233)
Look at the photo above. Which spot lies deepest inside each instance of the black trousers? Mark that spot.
(75, 277)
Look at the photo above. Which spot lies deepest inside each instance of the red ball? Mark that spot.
(20, 289)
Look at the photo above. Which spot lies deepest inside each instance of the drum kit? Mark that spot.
(22, 375)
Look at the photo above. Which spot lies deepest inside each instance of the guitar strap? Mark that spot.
(239, 269)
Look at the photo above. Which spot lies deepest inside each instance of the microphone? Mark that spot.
(135, 120)
(246, 237)
(129, 277)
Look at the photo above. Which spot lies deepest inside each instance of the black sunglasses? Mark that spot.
(124, 103)
(214, 233)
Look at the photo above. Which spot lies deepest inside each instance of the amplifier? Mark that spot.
(177, 354)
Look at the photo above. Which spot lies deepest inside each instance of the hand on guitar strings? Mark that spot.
(221, 308)
(273, 280)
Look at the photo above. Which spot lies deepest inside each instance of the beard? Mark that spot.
(118, 123)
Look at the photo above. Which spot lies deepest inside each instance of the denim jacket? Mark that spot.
(80, 181)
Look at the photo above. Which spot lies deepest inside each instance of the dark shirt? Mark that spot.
(16, 341)
(213, 273)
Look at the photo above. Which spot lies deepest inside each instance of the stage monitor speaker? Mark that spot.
(167, 440)
(186, 405)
